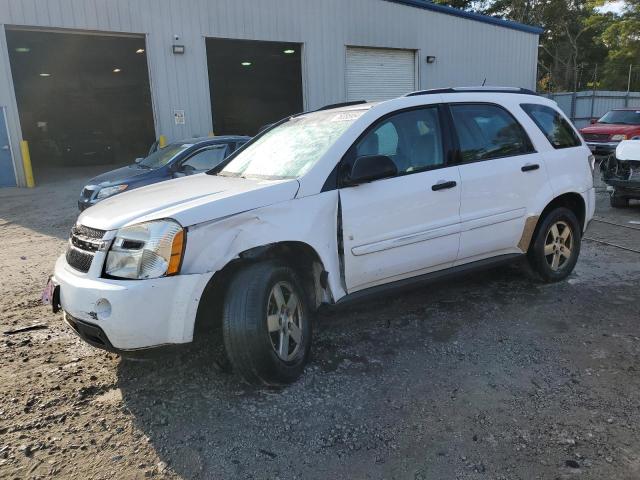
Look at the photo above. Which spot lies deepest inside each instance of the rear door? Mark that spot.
(501, 175)
(407, 225)
(567, 160)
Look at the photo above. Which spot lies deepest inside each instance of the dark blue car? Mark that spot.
(177, 159)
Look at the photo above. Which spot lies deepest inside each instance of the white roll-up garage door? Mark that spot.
(379, 73)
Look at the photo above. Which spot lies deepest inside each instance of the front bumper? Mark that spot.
(624, 188)
(131, 314)
(603, 148)
(85, 203)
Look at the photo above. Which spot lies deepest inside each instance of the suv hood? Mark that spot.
(119, 175)
(611, 129)
(628, 151)
(189, 200)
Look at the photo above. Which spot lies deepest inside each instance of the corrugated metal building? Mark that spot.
(403, 45)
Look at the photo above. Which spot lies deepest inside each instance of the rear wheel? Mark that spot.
(267, 324)
(618, 202)
(556, 245)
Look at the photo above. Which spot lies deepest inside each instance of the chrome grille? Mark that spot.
(596, 137)
(83, 243)
(79, 260)
(88, 232)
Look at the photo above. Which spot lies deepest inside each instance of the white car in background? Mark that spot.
(325, 207)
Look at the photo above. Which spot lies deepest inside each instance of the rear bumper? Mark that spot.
(127, 315)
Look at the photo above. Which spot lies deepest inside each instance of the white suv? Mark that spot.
(324, 207)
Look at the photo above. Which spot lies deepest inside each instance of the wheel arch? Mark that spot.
(300, 256)
(571, 200)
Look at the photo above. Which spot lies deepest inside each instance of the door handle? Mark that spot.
(5, 147)
(530, 167)
(443, 185)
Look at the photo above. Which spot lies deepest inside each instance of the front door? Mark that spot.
(7, 175)
(406, 225)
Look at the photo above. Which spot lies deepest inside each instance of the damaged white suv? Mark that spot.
(325, 207)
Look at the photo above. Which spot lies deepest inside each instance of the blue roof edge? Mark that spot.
(428, 5)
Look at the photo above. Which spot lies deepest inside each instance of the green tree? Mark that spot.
(577, 37)
(622, 40)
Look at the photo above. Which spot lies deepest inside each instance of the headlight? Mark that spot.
(618, 138)
(147, 250)
(108, 191)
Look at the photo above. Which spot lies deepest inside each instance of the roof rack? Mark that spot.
(434, 91)
(343, 104)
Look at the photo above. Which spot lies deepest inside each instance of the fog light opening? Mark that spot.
(103, 309)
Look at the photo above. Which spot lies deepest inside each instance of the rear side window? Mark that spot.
(488, 131)
(553, 125)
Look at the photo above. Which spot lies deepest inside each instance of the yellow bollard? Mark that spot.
(26, 163)
(162, 141)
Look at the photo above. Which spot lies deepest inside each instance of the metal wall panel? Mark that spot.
(594, 104)
(467, 51)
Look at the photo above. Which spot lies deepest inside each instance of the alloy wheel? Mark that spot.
(558, 245)
(285, 319)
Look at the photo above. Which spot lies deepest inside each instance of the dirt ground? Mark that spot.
(490, 376)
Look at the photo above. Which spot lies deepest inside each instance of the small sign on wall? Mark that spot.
(178, 117)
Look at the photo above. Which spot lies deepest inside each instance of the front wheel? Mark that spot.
(556, 245)
(267, 324)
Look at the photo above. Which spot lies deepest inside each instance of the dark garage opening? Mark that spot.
(252, 83)
(83, 99)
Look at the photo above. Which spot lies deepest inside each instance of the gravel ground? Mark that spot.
(490, 376)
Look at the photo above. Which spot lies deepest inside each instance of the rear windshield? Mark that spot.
(621, 117)
(557, 130)
(292, 148)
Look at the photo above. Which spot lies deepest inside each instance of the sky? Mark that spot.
(615, 6)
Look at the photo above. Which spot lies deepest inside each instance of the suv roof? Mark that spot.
(481, 89)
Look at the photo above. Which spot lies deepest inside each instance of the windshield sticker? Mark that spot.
(347, 116)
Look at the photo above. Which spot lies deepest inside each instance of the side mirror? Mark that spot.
(184, 170)
(371, 167)
(139, 159)
(593, 121)
(188, 169)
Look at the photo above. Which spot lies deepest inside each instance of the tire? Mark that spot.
(257, 322)
(555, 265)
(618, 202)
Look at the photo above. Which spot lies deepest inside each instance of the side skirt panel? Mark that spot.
(407, 283)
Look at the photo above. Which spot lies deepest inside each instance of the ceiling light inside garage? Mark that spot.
(116, 70)
(289, 51)
(45, 74)
(140, 50)
(246, 64)
(23, 49)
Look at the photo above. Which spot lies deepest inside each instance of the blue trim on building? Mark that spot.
(427, 5)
